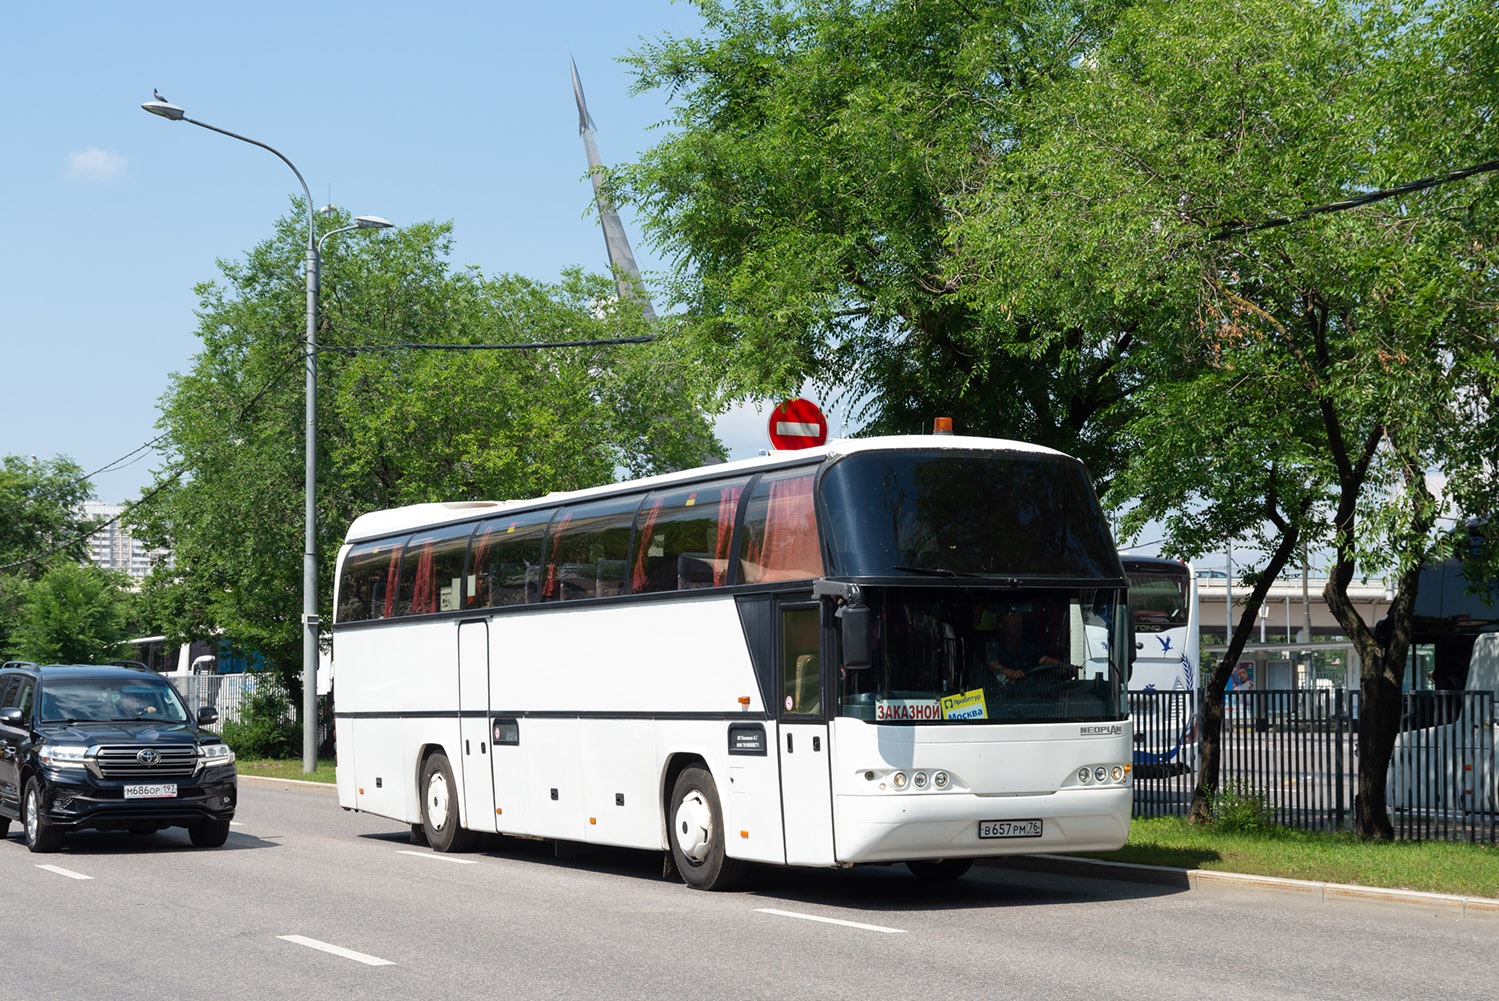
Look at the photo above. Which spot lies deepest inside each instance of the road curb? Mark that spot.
(1450, 905)
(289, 782)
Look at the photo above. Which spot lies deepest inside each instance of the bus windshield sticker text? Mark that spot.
(965, 705)
(903, 710)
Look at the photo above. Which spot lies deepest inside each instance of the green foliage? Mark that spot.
(71, 615)
(266, 726)
(1239, 808)
(810, 191)
(394, 427)
(40, 511)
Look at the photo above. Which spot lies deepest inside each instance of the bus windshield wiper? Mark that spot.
(927, 571)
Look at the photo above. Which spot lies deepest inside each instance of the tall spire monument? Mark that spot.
(626, 274)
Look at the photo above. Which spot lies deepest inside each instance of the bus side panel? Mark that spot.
(512, 799)
(671, 657)
(619, 805)
(749, 791)
(555, 795)
(375, 780)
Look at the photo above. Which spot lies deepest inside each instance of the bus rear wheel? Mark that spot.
(440, 807)
(697, 838)
(941, 869)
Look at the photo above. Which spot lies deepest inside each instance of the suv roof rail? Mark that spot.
(19, 663)
(128, 663)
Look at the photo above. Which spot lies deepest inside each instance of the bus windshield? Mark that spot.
(1158, 596)
(959, 514)
(963, 656)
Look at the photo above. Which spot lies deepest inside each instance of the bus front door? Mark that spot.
(806, 777)
(473, 725)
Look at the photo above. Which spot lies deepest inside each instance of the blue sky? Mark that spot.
(438, 111)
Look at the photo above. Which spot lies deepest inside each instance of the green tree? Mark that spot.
(1354, 348)
(396, 426)
(72, 614)
(809, 192)
(41, 525)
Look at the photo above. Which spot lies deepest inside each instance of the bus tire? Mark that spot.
(940, 869)
(440, 807)
(697, 837)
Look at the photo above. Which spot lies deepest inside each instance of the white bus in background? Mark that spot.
(781, 660)
(1163, 606)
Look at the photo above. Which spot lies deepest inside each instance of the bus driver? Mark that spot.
(1009, 654)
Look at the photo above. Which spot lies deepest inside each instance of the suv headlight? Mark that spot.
(62, 755)
(210, 755)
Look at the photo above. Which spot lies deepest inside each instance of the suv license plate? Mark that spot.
(159, 791)
(1009, 828)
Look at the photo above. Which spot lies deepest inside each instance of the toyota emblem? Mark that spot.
(148, 757)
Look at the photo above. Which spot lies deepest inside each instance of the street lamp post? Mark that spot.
(309, 544)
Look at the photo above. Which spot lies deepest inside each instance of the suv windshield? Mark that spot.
(948, 656)
(96, 700)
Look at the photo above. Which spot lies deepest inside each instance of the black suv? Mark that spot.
(109, 748)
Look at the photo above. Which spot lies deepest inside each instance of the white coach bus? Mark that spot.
(878, 650)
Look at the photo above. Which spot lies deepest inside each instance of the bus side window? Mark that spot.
(504, 564)
(367, 587)
(682, 537)
(780, 530)
(588, 549)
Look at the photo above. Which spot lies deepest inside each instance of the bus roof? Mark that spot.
(396, 520)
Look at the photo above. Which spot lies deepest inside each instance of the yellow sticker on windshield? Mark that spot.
(967, 705)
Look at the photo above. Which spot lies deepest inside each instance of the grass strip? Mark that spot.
(1432, 866)
(287, 769)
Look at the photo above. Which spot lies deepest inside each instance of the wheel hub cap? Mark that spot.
(694, 827)
(437, 802)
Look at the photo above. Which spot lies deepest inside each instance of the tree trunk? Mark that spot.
(1210, 734)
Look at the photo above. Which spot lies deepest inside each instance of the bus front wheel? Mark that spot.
(697, 838)
(440, 807)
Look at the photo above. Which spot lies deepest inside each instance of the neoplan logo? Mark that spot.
(1093, 731)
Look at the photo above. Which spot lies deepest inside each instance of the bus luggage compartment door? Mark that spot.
(802, 739)
(475, 751)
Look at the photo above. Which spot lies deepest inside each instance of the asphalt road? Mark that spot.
(308, 902)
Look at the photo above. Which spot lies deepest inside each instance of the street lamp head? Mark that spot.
(165, 110)
(372, 222)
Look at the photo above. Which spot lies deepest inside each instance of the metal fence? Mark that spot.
(1296, 753)
(224, 692)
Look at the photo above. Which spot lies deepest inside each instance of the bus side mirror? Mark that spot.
(1130, 644)
(857, 652)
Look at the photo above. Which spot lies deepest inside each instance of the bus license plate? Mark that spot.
(158, 791)
(1009, 828)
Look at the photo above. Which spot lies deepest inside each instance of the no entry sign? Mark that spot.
(797, 424)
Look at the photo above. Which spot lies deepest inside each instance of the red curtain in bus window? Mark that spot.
(392, 581)
(424, 594)
(552, 586)
(728, 505)
(477, 572)
(789, 551)
(643, 545)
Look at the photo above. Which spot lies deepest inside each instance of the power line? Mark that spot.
(412, 346)
(1226, 230)
(176, 473)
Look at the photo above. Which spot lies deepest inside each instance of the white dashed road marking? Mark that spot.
(440, 858)
(336, 950)
(831, 921)
(64, 872)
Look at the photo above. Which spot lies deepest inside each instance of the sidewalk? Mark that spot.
(1441, 904)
